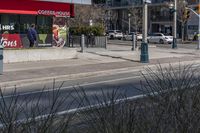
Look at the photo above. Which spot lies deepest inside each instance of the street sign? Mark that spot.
(147, 1)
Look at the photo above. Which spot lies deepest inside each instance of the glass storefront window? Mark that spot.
(13, 24)
(44, 24)
(44, 29)
(16, 26)
(9, 24)
(25, 22)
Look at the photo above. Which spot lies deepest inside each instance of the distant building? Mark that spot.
(193, 22)
(159, 18)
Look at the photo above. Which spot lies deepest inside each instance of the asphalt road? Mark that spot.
(187, 46)
(70, 95)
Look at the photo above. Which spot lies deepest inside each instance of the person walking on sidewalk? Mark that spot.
(32, 35)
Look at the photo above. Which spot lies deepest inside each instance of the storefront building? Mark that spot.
(49, 16)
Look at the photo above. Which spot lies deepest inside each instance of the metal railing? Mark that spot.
(90, 41)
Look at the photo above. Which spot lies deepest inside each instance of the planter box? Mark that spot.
(24, 55)
(100, 41)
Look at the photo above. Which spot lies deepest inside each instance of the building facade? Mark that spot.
(160, 20)
(49, 16)
(193, 21)
(160, 17)
(16, 17)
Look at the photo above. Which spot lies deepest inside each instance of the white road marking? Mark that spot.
(63, 88)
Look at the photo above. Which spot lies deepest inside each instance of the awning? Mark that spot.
(36, 7)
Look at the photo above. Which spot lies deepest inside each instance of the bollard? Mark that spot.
(144, 57)
(174, 43)
(82, 42)
(1, 59)
(133, 41)
(106, 42)
(67, 40)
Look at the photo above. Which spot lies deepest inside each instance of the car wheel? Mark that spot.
(161, 41)
(111, 37)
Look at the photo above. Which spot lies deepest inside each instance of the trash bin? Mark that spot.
(144, 57)
(1, 59)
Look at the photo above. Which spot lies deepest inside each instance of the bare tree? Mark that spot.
(85, 13)
(180, 14)
(136, 17)
(181, 18)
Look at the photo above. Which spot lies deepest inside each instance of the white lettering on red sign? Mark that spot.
(54, 13)
(6, 43)
(11, 41)
(7, 27)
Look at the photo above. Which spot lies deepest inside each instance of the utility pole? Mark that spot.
(144, 57)
(174, 44)
(145, 23)
(198, 12)
(129, 23)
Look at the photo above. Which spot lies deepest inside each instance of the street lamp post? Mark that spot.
(129, 23)
(145, 23)
(198, 46)
(144, 57)
(174, 8)
(174, 45)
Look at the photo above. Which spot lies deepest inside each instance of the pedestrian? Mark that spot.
(71, 39)
(32, 35)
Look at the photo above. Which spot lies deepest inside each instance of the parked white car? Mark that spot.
(129, 36)
(159, 38)
(115, 34)
(139, 37)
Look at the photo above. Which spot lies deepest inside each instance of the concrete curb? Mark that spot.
(130, 44)
(26, 55)
(43, 80)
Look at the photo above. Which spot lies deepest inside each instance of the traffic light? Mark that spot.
(197, 9)
(186, 14)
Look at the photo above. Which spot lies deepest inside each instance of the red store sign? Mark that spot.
(37, 7)
(11, 41)
(54, 13)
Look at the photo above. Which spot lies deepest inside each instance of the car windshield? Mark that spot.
(118, 31)
(111, 31)
(156, 34)
(167, 34)
(150, 34)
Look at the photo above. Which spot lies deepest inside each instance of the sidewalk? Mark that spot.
(93, 62)
(124, 52)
